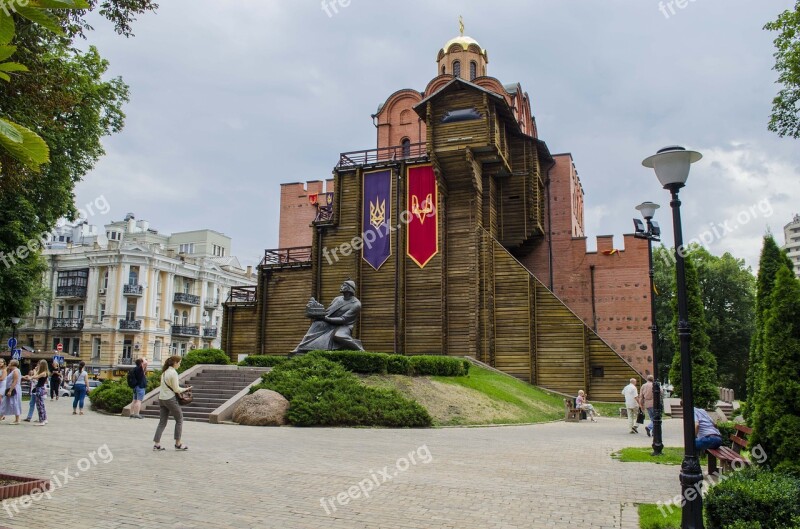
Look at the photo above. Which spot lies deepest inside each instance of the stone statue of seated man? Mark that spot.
(333, 328)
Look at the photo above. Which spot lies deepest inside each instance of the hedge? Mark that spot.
(262, 361)
(754, 498)
(111, 396)
(381, 363)
(204, 356)
(323, 393)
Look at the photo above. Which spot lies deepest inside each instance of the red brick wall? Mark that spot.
(621, 283)
(297, 212)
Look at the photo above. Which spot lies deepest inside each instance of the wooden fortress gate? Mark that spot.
(472, 296)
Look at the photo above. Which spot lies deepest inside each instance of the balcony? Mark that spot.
(210, 332)
(68, 324)
(74, 292)
(185, 330)
(298, 257)
(242, 295)
(130, 325)
(187, 299)
(132, 290)
(125, 361)
(412, 151)
(211, 303)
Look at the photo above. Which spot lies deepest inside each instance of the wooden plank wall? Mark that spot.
(512, 316)
(617, 373)
(284, 323)
(239, 329)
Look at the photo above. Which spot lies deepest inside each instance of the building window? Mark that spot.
(183, 348)
(185, 319)
(457, 68)
(444, 70)
(176, 317)
(133, 276)
(406, 143)
(473, 70)
(73, 278)
(60, 313)
(187, 286)
(76, 347)
(70, 311)
(130, 311)
(95, 348)
(105, 279)
(174, 348)
(101, 311)
(79, 313)
(56, 341)
(157, 351)
(186, 248)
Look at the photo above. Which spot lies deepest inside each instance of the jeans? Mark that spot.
(80, 394)
(32, 404)
(165, 408)
(709, 441)
(650, 413)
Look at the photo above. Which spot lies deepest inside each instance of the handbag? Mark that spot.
(11, 392)
(640, 417)
(185, 397)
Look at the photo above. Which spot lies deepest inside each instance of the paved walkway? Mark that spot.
(556, 475)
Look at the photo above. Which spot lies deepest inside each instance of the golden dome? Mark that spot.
(464, 41)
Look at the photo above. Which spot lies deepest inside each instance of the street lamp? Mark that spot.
(14, 323)
(671, 165)
(652, 233)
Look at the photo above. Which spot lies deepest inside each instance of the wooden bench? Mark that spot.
(729, 456)
(573, 414)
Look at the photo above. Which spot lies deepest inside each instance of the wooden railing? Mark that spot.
(287, 256)
(242, 295)
(383, 154)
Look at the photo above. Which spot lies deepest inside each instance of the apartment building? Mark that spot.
(130, 291)
(791, 234)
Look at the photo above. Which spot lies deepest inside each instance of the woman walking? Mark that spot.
(12, 396)
(80, 383)
(168, 403)
(40, 392)
(3, 375)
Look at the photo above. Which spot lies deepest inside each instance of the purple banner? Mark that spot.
(377, 217)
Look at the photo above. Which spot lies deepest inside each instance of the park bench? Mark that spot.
(572, 414)
(729, 456)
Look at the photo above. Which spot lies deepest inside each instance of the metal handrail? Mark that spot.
(382, 154)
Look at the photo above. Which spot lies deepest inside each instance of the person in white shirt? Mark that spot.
(168, 403)
(632, 404)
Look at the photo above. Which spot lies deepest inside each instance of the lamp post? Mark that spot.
(652, 233)
(671, 165)
(14, 323)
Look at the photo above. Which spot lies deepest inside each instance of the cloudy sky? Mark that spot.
(230, 99)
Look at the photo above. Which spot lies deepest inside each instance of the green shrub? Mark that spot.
(262, 361)
(153, 380)
(111, 396)
(440, 366)
(726, 429)
(204, 356)
(399, 365)
(357, 361)
(754, 497)
(323, 393)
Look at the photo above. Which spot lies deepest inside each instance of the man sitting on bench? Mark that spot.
(706, 433)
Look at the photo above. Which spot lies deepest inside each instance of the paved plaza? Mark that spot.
(556, 475)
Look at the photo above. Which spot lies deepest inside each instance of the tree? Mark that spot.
(785, 117)
(777, 420)
(771, 261)
(65, 100)
(704, 365)
(728, 290)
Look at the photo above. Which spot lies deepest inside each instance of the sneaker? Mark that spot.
(181, 447)
(139, 417)
(634, 431)
(158, 448)
(27, 420)
(647, 430)
(40, 423)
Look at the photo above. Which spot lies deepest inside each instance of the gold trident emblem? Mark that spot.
(425, 210)
(377, 213)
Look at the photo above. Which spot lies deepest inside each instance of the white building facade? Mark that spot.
(132, 292)
(791, 234)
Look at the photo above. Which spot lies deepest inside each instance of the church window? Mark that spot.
(473, 70)
(457, 68)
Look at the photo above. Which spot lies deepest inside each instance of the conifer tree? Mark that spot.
(704, 365)
(777, 417)
(772, 259)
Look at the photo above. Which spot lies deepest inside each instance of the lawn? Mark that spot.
(650, 517)
(670, 456)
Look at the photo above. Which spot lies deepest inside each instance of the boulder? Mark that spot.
(262, 408)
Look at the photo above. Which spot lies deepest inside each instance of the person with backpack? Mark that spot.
(137, 381)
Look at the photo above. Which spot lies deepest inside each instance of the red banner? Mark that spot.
(423, 226)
